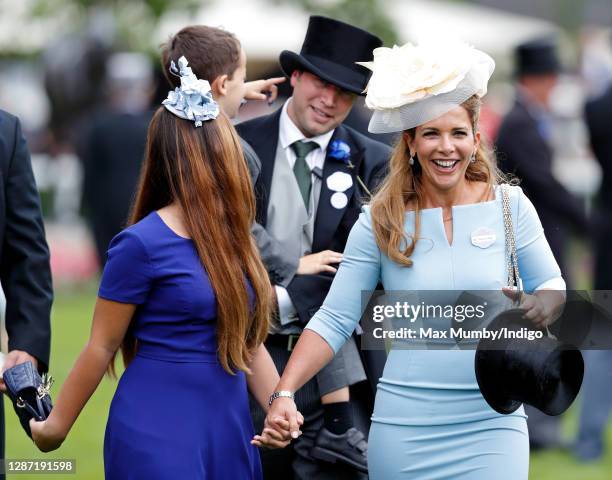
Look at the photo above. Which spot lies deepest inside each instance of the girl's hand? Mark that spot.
(278, 429)
(271, 438)
(46, 435)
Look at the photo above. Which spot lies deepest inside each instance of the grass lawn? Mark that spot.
(71, 323)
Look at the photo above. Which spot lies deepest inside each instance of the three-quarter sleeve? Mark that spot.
(128, 273)
(536, 261)
(358, 271)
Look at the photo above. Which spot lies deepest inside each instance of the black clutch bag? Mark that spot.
(29, 393)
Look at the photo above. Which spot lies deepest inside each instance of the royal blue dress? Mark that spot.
(176, 414)
(430, 421)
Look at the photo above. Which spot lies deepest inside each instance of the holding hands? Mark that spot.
(282, 424)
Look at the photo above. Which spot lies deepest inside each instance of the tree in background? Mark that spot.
(132, 23)
(367, 14)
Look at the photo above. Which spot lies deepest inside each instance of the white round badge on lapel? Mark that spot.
(339, 182)
(483, 237)
(339, 200)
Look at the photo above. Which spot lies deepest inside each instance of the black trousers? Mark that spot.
(294, 462)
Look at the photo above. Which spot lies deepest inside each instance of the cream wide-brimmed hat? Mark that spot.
(413, 84)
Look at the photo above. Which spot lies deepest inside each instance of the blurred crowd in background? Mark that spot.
(84, 77)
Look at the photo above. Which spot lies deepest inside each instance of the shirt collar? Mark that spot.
(289, 133)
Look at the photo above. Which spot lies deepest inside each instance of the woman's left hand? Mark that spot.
(46, 435)
(542, 308)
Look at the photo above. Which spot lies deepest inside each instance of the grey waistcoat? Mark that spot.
(288, 221)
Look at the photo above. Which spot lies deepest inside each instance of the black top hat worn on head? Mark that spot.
(537, 57)
(542, 372)
(330, 51)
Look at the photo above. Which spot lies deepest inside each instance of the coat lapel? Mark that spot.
(328, 217)
(264, 145)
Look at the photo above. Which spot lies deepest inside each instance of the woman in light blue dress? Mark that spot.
(435, 224)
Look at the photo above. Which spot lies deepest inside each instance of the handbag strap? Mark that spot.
(514, 278)
(511, 257)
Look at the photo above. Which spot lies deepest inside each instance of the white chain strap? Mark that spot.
(514, 278)
(511, 257)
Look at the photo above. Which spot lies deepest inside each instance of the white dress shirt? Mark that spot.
(289, 133)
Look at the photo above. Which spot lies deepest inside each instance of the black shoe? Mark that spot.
(350, 448)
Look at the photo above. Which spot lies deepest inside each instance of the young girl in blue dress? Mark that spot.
(186, 298)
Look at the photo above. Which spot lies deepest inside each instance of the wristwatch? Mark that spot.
(281, 393)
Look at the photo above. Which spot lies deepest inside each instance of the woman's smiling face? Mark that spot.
(443, 147)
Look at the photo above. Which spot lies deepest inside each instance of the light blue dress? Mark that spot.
(430, 420)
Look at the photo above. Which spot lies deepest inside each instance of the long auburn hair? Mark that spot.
(402, 187)
(203, 170)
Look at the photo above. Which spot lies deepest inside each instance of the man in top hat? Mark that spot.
(315, 175)
(524, 148)
(524, 144)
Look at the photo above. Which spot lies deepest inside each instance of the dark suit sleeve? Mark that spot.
(281, 268)
(252, 160)
(24, 267)
(521, 151)
(307, 293)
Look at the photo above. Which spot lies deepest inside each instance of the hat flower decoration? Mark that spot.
(413, 84)
(193, 100)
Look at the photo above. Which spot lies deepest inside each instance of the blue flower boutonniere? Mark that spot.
(341, 151)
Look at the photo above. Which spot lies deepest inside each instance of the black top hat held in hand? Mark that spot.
(541, 372)
(330, 51)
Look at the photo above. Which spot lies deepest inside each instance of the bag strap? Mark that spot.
(514, 278)
(511, 257)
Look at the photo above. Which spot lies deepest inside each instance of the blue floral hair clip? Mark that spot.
(193, 100)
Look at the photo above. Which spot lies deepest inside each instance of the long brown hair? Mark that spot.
(402, 187)
(202, 169)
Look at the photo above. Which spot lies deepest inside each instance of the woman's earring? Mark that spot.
(411, 160)
(473, 158)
